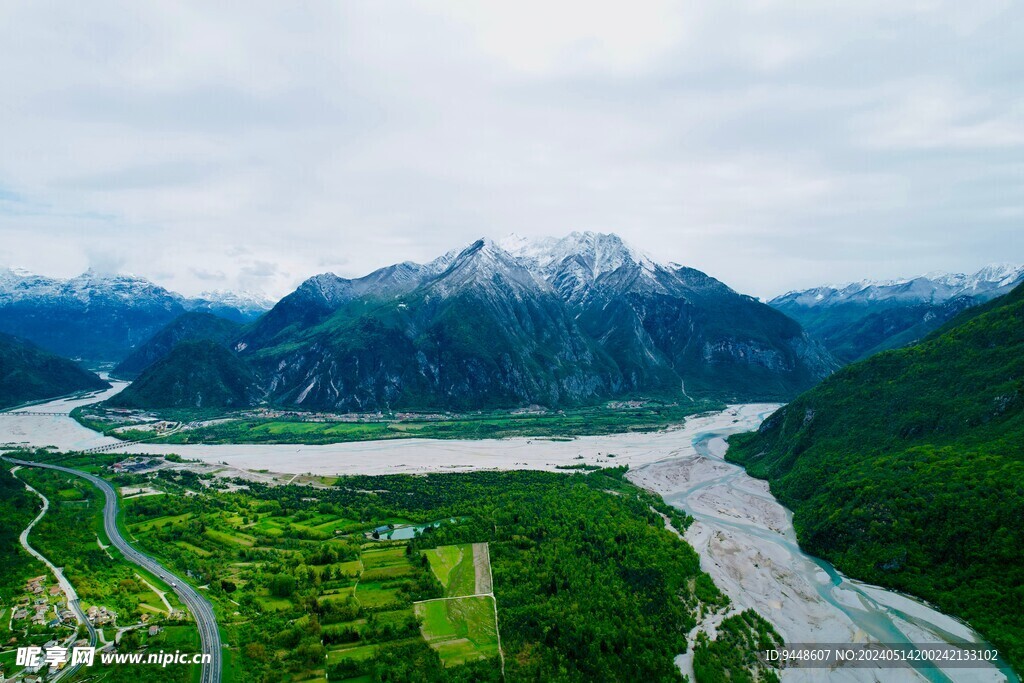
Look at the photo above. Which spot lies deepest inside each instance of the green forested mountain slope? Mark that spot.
(907, 469)
(195, 374)
(186, 327)
(28, 373)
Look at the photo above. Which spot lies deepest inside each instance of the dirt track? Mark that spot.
(482, 568)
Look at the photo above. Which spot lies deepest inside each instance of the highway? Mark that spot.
(200, 607)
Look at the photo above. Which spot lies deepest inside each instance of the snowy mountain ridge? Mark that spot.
(936, 287)
(19, 284)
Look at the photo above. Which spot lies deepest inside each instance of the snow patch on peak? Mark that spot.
(485, 265)
(600, 252)
(1002, 274)
(244, 300)
(18, 271)
(515, 244)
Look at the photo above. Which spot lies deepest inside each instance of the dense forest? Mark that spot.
(17, 508)
(195, 374)
(589, 583)
(28, 373)
(907, 469)
(590, 586)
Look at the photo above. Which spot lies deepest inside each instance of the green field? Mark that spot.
(378, 557)
(460, 629)
(160, 522)
(490, 425)
(453, 567)
(376, 594)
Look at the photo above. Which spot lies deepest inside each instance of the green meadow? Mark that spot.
(453, 567)
(460, 629)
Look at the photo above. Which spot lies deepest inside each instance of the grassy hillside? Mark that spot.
(196, 374)
(907, 469)
(28, 373)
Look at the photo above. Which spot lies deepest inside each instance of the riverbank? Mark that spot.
(746, 542)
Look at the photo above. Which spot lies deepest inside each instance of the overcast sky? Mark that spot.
(249, 145)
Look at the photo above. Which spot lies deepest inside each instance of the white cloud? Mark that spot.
(773, 144)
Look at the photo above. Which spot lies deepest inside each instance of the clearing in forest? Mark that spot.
(462, 626)
(462, 569)
(460, 629)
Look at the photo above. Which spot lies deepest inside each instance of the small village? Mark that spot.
(42, 605)
(43, 618)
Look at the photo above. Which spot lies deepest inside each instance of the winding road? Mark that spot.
(62, 581)
(199, 606)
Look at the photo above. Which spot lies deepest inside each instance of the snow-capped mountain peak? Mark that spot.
(246, 299)
(601, 252)
(934, 287)
(97, 288)
(485, 264)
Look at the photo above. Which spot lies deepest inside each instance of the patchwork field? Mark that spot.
(237, 428)
(461, 626)
(462, 569)
(460, 629)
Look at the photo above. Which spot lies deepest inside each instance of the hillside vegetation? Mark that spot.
(195, 374)
(907, 469)
(17, 508)
(186, 327)
(28, 373)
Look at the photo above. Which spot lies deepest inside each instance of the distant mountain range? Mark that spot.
(28, 373)
(857, 320)
(102, 317)
(553, 321)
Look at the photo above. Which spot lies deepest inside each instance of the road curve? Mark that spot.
(62, 581)
(199, 606)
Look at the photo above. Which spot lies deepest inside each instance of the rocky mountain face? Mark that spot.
(321, 295)
(186, 327)
(860, 319)
(556, 322)
(28, 373)
(669, 326)
(99, 317)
